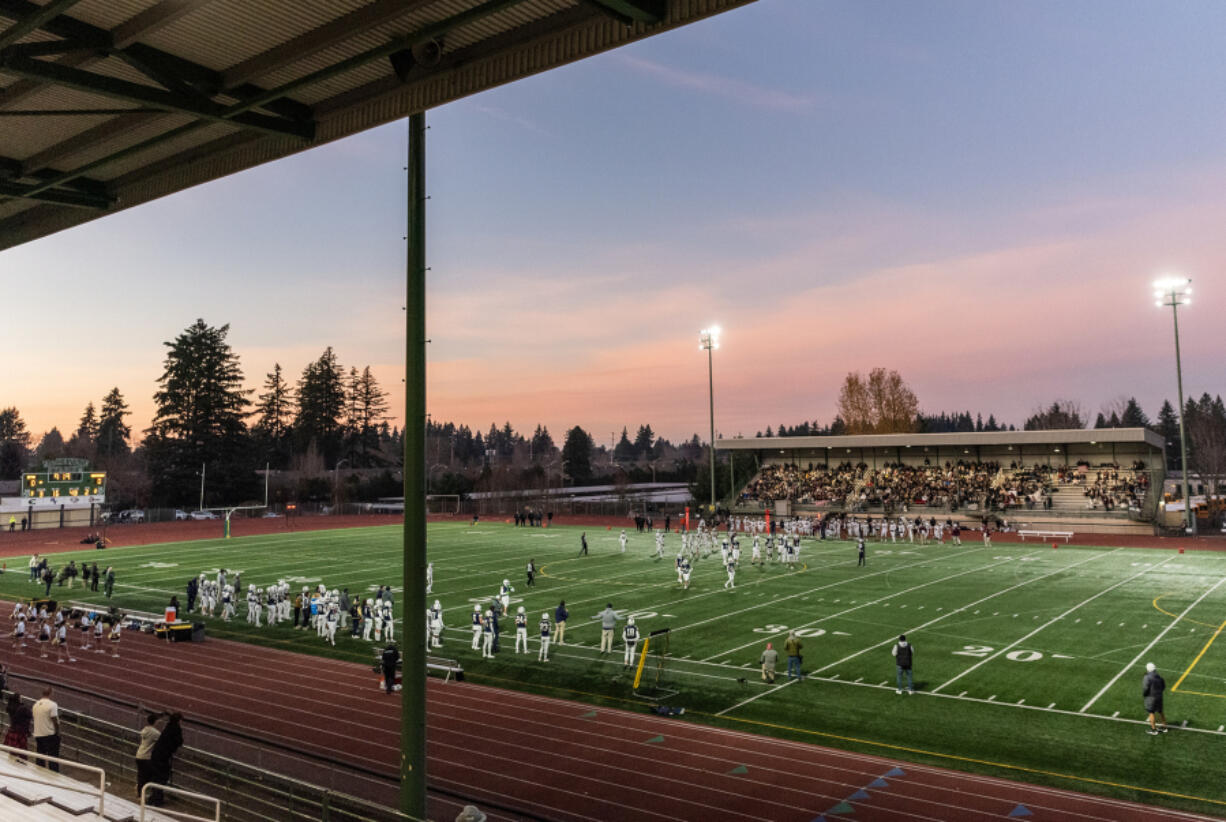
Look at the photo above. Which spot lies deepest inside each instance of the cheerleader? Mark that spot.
(61, 644)
(116, 632)
(86, 626)
(19, 633)
(98, 649)
(44, 637)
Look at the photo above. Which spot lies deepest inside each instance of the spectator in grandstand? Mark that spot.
(792, 647)
(161, 758)
(46, 716)
(770, 658)
(1152, 687)
(21, 722)
(470, 813)
(903, 653)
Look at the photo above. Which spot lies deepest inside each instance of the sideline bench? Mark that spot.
(450, 668)
(1065, 535)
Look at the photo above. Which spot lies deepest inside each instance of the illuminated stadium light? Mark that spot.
(708, 340)
(1174, 290)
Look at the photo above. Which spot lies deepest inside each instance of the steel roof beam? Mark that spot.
(33, 19)
(57, 197)
(313, 42)
(149, 96)
(630, 12)
(152, 19)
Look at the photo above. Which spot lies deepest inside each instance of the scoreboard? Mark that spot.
(65, 486)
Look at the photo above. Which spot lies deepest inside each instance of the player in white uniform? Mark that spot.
(686, 569)
(487, 634)
(630, 636)
(389, 621)
(521, 631)
(477, 627)
(621, 539)
(436, 625)
(545, 628)
(659, 544)
(429, 577)
(731, 568)
(504, 596)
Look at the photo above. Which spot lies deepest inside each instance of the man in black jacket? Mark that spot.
(1152, 687)
(391, 655)
(903, 653)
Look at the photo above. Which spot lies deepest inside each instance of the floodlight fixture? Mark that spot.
(1173, 291)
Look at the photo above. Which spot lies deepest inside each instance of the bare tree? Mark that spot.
(880, 404)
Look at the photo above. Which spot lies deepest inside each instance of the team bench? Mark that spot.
(1065, 535)
(450, 668)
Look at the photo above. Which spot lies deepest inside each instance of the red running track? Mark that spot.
(550, 758)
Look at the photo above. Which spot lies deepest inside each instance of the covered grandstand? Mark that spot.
(1095, 481)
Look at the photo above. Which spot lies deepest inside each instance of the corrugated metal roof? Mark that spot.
(182, 64)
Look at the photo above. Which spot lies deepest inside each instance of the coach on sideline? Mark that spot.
(1152, 687)
(608, 623)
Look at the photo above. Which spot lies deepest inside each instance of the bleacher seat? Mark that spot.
(65, 800)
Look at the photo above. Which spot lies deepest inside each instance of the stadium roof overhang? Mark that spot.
(1074, 436)
(106, 104)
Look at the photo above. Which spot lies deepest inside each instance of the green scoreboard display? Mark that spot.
(70, 482)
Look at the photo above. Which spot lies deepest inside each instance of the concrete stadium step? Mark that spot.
(65, 799)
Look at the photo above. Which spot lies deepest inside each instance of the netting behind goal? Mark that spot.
(442, 503)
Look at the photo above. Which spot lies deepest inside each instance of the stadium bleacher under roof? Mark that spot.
(1061, 445)
(106, 104)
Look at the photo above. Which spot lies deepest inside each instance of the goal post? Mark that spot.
(652, 663)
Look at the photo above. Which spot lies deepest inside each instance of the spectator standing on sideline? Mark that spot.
(46, 715)
(559, 619)
(144, 751)
(110, 581)
(770, 658)
(1152, 687)
(93, 585)
(903, 653)
(21, 722)
(792, 647)
(391, 655)
(860, 552)
(608, 623)
(162, 755)
(193, 590)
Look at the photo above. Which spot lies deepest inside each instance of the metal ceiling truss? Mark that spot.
(184, 87)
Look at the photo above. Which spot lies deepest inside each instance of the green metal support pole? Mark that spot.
(1189, 517)
(413, 693)
(711, 395)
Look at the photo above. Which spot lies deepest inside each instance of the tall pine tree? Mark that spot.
(321, 408)
(275, 409)
(200, 419)
(113, 433)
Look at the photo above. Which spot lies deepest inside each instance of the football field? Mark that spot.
(1028, 660)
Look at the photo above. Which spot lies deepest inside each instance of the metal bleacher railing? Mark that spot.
(149, 788)
(33, 774)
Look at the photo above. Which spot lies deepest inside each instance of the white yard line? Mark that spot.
(1049, 623)
(757, 696)
(762, 637)
(1145, 650)
(1059, 570)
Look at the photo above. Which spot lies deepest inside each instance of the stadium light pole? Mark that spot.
(708, 340)
(1174, 291)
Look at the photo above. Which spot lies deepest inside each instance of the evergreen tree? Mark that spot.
(275, 408)
(542, 443)
(1133, 416)
(371, 412)
(1168, 429)
(87, 428)
(1100, 421)
(199, 419)
(113, 432)
(644, 440)
(1063, 414)
(50, 447)
(321, 406)
(577, 455)
(14, 442)
(991, 424)
(624, 451)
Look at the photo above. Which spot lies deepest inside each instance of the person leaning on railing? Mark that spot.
(21, 722)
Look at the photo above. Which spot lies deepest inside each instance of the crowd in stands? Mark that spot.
(953, 486)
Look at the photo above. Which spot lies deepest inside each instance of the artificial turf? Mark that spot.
(1028, 660)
